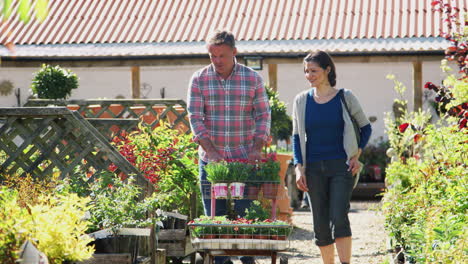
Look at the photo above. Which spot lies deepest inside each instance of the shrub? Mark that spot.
(425, 204)
(116, 204)
(54, 223)
(281, 122)
(53, 82)
(168, 159)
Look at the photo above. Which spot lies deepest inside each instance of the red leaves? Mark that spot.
(403, 127)
(434, 3)
(462, 123)
(431, 86)
(417, 137)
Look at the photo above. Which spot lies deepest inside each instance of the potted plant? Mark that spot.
(281, 232)
(53, 82)
(217, 173)
(238, 173)
(267, 172)
(281, 122)
(206, 227)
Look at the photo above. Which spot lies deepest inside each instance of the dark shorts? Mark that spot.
(330, 186)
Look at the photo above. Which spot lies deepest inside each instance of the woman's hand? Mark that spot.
(354, 165)
(301, 181)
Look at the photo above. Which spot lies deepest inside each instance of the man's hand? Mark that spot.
(211, 152)
(255, 155)
(301, 181)
(256, 151)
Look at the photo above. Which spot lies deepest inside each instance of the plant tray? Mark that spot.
(250, 244)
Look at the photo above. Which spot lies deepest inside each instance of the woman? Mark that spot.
(326, 153)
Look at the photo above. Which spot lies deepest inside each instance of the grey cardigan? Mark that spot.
(349, 137)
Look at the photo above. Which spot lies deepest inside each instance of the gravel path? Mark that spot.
(369, 238)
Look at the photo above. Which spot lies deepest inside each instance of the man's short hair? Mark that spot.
(219, 37)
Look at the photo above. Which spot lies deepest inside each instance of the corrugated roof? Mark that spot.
(271, 47)
(92, 22)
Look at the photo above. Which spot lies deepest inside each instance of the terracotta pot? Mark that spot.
(243, 236)
(277, 237)
(226, 236)
(209, 236)
(261, 237)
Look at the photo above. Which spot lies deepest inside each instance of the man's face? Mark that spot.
(222, 57)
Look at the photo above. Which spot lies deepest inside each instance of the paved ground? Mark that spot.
(369, 238)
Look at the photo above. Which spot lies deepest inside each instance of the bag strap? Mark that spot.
(353, 120)
(341, 92)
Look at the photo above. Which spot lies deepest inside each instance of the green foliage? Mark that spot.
(207, 225)
(53, 82)
(24, 8)
(116, 204)
(426, 202)
(15, 220)
(168, 158)
(59, 228)
(217, 172)
(239, 170)
(54, 223)
(268, 171)
(30, 189)
(281, 122)
(256, 212)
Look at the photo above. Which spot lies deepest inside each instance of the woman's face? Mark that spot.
(316, 75)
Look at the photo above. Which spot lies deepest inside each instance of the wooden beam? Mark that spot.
(417, 84)
(136, 82)
(273, 76)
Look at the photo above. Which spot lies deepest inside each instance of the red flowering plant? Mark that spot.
(168, 159)
(267, 169)
(452, 95)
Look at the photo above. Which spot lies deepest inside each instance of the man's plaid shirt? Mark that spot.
(231, 112)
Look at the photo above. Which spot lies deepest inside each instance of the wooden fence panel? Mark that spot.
(150, 111)
(44, 140)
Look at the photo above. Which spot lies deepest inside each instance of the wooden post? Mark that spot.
(273, 76)
(135, 82)
(417, 85)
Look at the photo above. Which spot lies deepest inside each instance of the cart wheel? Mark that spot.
(283, 260)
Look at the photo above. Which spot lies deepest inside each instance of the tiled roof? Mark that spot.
(173, 27)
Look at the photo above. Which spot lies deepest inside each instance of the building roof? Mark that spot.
(179, 27)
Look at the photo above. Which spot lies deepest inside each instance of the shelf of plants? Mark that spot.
(240, 179)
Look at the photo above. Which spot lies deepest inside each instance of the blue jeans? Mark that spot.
(221, 207)
(330, 187)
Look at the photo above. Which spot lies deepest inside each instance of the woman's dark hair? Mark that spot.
(324, 61)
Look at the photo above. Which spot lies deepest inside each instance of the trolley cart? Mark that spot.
(263, 239)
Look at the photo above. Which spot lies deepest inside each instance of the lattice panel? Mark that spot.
(40, 141)
(149, 110)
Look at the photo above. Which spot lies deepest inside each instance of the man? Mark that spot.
(229, 114)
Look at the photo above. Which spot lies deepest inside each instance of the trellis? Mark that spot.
(150, 111)
(44, 140)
